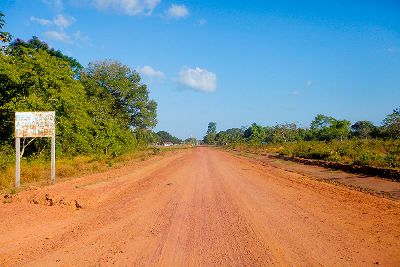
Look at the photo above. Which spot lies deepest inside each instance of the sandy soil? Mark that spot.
(198, 207)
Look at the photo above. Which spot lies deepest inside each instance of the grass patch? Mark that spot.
(37, 170)
(369, 152)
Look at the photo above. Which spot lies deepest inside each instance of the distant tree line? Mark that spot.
(165, 137)
(322, 128)
(101, 109)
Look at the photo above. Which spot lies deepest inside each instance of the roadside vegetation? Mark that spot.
(327, 138)
(103, 111)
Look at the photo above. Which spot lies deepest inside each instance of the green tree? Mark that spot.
(210, 137)
(287, 132)
(36, 44)
(37, 81)
(167, 137)
(340, 129)
(391, 124)
(121, 88)
(255, 134)
(5, 37)
(326, 128)
(235, 135)
(363, 129)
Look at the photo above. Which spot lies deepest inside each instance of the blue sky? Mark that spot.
(234, 62)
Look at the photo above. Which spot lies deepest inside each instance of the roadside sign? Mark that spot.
(34, 125)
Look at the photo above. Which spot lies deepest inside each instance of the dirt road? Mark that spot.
(198, 207)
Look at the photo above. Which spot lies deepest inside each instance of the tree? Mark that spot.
(191, 141)
(36, 44)
(282, 133)
(235, 135)
(391, 124)
(340, 129)
(124, 93)
(211, 135)
(167, 137)
(5, 37)
(255, 134)
(321, 121)
(363, 129)
(326, 128)
(37, 81)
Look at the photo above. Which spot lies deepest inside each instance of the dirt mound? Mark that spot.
(38, 196)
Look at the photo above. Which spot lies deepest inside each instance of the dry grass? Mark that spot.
(37, 171)
(374, 153)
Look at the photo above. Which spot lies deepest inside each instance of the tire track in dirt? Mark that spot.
(201, 207)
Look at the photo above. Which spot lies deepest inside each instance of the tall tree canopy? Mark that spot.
(126, 96)
(35, 81)
(210, 137)
(36, 44)
(167, 137)
(392, 124)
(103, 109)
(363, 129)
(5, 37)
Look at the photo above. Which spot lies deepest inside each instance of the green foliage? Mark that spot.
(371, 152)
(5, 37)
(255, 134)
(282, 133)
(7, 156)
(231, 136)
(363, 129)
(120, 87)
(191, 141)
(211, 135)
(107, 111)
(16, 46)
(35, 81)
(392, 124)
(326, 128)
(165, 137)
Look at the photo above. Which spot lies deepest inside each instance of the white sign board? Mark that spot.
(34, 124)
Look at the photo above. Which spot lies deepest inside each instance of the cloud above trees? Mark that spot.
(148, 71)
(198, 79)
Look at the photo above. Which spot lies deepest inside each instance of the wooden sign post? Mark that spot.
(34, 125)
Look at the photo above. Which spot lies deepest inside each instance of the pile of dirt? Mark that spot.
(37, 196)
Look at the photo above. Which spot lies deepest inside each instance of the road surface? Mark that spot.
(198, 207)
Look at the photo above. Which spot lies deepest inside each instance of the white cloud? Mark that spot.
(309, 83)
(41, 21)
(63, 21)
(58, 36)
(198, 79)
(150, 72)
(129, 7)
(177, 11)
(76, 38)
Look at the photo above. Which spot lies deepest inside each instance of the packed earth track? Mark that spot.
(198, 207)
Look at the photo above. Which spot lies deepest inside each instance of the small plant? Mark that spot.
(156, 150)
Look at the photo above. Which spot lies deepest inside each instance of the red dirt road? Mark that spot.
(198, 207)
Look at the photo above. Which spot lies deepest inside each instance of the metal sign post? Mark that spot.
(17, 162)
(34, 124)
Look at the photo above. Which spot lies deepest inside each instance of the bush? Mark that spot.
(376, 153)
